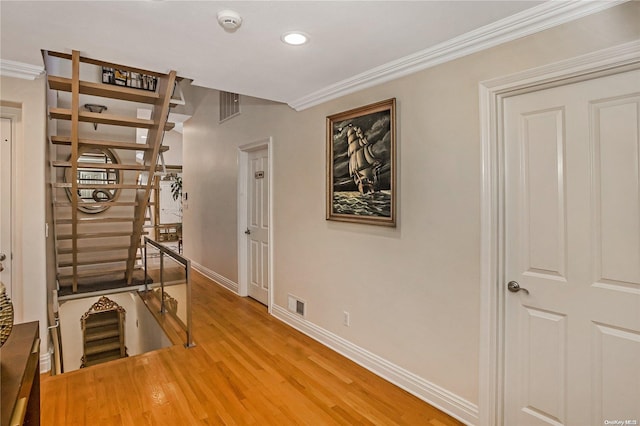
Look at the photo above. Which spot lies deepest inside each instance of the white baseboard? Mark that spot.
(220, 279)
(45, 362)
(440, 398)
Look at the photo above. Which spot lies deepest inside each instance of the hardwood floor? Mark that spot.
(247, 369)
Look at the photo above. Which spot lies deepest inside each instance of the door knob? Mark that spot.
(514, 287)
(248, 232)
(2, 257)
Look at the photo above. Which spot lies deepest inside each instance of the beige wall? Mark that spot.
(209, 156)
(30, 260)
(413, 292)
(173, 157)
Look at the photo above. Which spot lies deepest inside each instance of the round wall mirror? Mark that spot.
(92, 180)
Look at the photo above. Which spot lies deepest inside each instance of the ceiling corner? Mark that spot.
(20, 70)
(527, 22)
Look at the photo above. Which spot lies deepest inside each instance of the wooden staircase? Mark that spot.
(92, 245)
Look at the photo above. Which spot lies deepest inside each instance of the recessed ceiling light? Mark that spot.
(295, 38)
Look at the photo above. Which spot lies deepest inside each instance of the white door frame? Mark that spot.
(492, 256)
(243, 255)
(15, 115)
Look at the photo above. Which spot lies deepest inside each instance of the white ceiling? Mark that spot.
(348, 38)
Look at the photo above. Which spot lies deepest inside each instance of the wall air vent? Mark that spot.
(229, 105)
(296, 305)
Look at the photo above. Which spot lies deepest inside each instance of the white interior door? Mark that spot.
(5, 203)
(572, 239)
(258, 225)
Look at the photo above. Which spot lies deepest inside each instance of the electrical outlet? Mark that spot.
(346, 320)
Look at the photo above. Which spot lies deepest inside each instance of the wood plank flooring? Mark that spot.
(247, 369)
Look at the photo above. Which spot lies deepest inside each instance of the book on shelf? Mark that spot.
(132, 79)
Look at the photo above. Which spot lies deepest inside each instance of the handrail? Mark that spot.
(165, 251)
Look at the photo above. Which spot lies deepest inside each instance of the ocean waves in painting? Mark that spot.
(377, 204)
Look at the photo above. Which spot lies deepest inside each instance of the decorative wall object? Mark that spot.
(103, 333)
(170, 303)
(361, 171)
(92, 197)
(167, 218)
(6, 315)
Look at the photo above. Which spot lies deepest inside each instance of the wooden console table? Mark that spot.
(20, 376)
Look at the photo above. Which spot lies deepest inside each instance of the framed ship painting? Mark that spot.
(361, 170)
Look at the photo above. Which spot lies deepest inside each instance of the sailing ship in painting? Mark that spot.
(364, 167)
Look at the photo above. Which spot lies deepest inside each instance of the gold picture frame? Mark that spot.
(361, 165)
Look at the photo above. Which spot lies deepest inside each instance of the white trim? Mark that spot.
(20, 70)
(243, 255)
(440, 398)
(45, 362)
(17, 152)
(530, 21)
(220, 279)
(492, 95)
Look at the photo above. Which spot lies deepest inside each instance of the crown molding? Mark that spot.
(527, 22)
(20, 70)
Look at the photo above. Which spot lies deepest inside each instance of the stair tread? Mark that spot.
(93, 273)
(66, 140)
(101, 321)
(96, 272)
(99, 186)
(95, 360)
(94, 249)
(105, 203)
(87, 220)
(95, 235)
(102, 334)
(68, 264)
(104, 347)
(92, 362)
(102, 118)
(116, 166)
(105, 90)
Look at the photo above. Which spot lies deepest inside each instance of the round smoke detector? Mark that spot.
(229, 20)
